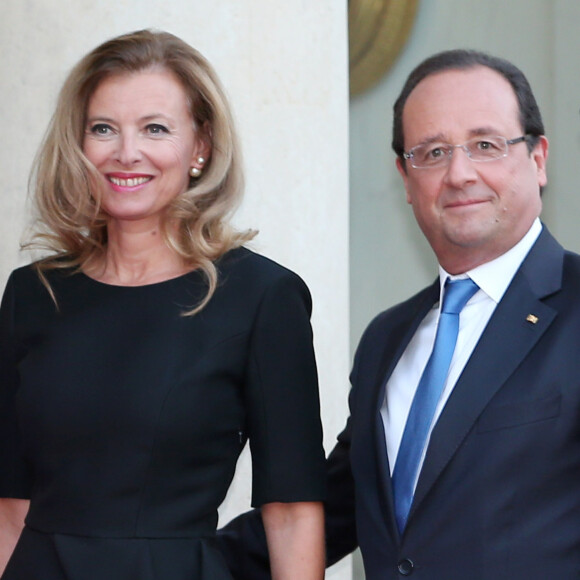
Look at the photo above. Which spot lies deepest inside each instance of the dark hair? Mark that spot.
(461, 59)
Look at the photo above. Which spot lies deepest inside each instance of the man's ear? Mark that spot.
(539, 155)
(402, 169)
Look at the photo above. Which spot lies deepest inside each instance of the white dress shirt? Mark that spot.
(493, 278)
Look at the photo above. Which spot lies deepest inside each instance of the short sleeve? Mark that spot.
(14, 476)
(285, 431)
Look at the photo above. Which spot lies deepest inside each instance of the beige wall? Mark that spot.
(284, 67)
(389, 258)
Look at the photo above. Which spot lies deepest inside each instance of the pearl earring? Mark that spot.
(196, 171)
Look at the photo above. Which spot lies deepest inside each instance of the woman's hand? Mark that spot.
(12, 514)
(295, 534)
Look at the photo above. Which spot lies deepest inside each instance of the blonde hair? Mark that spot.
(70, 223)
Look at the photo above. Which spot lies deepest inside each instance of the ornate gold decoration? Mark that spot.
(377, 31)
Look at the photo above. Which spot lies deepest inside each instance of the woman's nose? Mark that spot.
(128, 152)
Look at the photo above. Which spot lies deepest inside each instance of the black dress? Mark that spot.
(122, 420)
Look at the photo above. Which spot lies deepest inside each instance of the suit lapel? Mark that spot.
(399, 335)
(518, 323)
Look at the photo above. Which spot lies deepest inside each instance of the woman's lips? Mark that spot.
(125, 181)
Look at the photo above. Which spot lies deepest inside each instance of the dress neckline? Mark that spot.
(159, 283)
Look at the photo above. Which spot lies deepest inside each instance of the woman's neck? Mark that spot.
(137, 256)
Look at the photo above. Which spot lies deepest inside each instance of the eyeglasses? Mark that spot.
(483, 148)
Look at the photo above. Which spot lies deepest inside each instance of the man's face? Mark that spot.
(471, 212)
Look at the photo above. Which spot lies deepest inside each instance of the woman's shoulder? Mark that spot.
(245, 262)
(26, 275)
(252, 278)
(31, 285)
(32, 273)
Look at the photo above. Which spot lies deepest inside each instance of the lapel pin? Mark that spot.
(532, 318)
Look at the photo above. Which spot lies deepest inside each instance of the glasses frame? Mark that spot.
(409, 155)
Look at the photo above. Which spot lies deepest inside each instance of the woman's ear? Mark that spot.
(202, 148)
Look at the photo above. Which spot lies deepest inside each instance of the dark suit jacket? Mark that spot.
(498, 497)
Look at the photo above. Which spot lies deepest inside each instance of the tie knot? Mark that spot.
(457, 293)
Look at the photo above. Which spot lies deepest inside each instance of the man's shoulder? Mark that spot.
(572, 260)
(404, 313)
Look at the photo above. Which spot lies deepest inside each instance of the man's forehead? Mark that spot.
(451, 82)
(469, 133)
(476, 100)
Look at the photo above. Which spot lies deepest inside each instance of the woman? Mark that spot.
(142, 352)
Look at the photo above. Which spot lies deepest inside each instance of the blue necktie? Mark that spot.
(455, 297)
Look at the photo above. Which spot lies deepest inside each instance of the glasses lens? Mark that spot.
(431, 155)
(486, 148)
(482, 148)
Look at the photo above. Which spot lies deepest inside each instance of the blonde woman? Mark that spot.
(148, 345)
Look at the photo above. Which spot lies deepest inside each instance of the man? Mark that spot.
(493, 488)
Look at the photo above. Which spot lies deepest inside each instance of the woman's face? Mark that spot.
(141, 137)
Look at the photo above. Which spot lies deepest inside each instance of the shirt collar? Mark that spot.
(494, 277)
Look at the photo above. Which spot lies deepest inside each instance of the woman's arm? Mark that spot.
(295, 534)
(12, 514)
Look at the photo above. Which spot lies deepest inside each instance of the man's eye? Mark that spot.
(487, 145)
(156, 129)
(435, 153)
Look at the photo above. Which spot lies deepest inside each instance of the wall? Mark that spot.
(284, 66)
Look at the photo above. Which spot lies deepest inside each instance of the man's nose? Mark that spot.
(461, 168)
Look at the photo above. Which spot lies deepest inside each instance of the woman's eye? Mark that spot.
(156, 129)
(101, 129)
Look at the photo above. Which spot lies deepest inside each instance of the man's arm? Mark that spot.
(339, 508)
(243, 545)
(243, 541)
